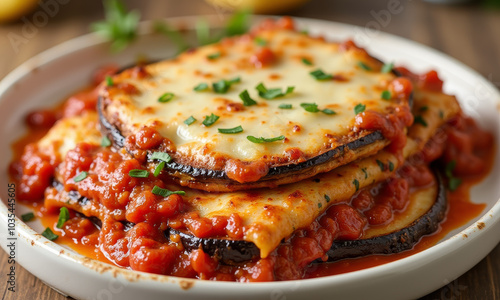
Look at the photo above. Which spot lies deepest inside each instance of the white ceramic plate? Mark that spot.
(49, 77)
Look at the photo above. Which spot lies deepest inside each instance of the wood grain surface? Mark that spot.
(469, 32)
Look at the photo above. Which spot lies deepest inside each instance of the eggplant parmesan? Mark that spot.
(200, 167)
(269, 108)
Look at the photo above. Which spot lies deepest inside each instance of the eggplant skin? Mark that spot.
(228, 252)
(397, 241)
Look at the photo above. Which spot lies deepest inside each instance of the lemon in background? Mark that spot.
(259, 6)
(11, 10)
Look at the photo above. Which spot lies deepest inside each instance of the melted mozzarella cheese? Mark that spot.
(312, 133)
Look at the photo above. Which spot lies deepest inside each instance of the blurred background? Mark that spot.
(467, 30)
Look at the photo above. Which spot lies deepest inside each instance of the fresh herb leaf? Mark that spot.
(80, 176)
(164, 192)
(210, 120)
(119, 27)
(364, 171)
(137, 173)
(214, 56)
(306, 61)
(260, 41)
(359, 108)
(189, 120)
(247, 100)
(236, 129)
(203, 32)
(454, 183)
(109, 81)
(27, 217)
(201, 87)
(364, 66)
(159, 168)
(441, 114)
(391, 166)
(166, 97)
(387, 68)
(449, 168)
(63, 217)
(420, 120)
(320, 75)
(328, 111)
(105, 142)
(327, 198)
(172, 34)
(265, 140)
(285, 106)
(273, 93)
(356, 184)
(386, 95)
(381, 165)
(222, 86)
(320, 205)
(238, 23)
(424, 108)
(47, 233)
(161, 156)
(310, 107)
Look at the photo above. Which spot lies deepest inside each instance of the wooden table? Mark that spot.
(470, 33)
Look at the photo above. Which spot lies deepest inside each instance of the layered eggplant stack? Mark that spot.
(250, 159)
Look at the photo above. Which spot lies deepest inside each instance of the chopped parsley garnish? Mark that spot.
(424, 108)
(320, 205)
(285, 106)
(387, 68)
(222, 86)
(359, 108)
(164, 192)
(364, 66)
(386, 95)
(381, 165)
(247, 100)
(210, 120)
(109, 81)
(391, 166)
(63, 217)
(80, 176)
(306, 61)
(236, 129)
(120, 26)
(453, 182)
(189, 120)
(166, 97)
(238, 23)
(214, 56)
(273, 93)
(201, 87)
(138, 173)
(364, 171)
(27, 217)
(265, 140)
(356, 184)
(159, 168)
(310, 107)
(313, 108)
(441, 114)
(327, 198)
(260, 41)
(51, 236)
(420, 120)
(320, 75)
(161, 156)
(105, 142)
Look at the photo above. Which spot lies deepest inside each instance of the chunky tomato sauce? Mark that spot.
(125, 222)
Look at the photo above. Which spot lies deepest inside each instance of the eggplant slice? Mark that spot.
(232, 252)
(320, 132)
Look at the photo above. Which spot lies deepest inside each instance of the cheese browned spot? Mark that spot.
(333, 86)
